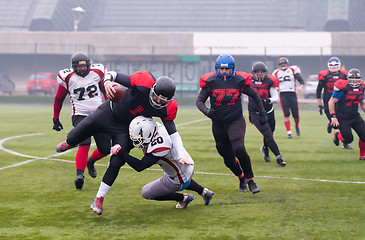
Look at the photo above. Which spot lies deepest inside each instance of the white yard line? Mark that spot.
(51, 157)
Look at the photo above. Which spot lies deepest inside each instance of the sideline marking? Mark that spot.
(68, 161)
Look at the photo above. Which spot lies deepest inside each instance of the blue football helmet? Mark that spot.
(225, 61)
(334, 64)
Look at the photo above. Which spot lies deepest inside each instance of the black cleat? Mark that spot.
(91, 168)
(329, 128)
(336, 141)
(79, 181)
(253, 187)
(347, 147)
(243, 185)
(280, 160)
(265, 152)
(297, 130)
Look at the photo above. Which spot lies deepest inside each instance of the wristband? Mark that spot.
(333, 115)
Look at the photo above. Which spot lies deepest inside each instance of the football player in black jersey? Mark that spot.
(344, 105)
(326, 81)
(145, 96)
(265, 85)
(224, 88)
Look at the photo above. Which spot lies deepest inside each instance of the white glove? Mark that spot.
(186, 161)
(115, 149)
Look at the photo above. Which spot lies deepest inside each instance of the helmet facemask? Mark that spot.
(334, 64)
(259, 70)
(225, 61)
(162, 92)
(80, 60)
(354, 77)
(283, 63)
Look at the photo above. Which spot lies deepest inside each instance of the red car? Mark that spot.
(46, 83)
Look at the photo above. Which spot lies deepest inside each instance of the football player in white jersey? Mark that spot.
(288, 92)
(85, 85)
(156, 144)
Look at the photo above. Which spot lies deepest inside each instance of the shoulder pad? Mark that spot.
(246, 77)
(340, 84)
(274, 79)
(142, 78)
(98, 66)
(203, 79)
(343, 71)
(275, 72)
(171, 110)
(322, 74)
(62, 74)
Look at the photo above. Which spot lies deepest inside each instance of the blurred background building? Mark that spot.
(178, 38)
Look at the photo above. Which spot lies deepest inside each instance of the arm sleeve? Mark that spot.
(274, 95)
(299, 78)
(200, 101)
(139, 165)
(169, 125)
(319, 88)
(177, 144)
(58, 101)
(249, 91)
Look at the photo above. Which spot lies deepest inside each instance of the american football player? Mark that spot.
(287, 76)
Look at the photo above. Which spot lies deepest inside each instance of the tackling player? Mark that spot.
(344, 105)
(326, 81)
(85, 85)
(224, 88)
(288, 92)
(265, 85)
(157, 146)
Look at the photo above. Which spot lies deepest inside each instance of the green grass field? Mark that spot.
(318, 195)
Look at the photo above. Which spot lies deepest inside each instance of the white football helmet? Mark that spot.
(354, 77)
(334, 64)
(142, 130)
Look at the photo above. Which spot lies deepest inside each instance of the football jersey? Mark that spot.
(263, 89)
(329, 80)
(137, 101)
(225, 95)
(161, 146)
(84, 92)
(348, 98)
(286, 78)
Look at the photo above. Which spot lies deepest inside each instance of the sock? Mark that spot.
(194, 186)
(339, 135)
(96, 155)
(287, 125)
(249, 179)
(81, 157)
(103, 190)
(296, 121)
(362, 148)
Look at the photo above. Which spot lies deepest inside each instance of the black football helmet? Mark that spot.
(162, 92)
(80, 59)
(283, 60)
(354, 77)
(259, 66)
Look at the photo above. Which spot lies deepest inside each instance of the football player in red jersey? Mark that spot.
(344, 110)
(288, 92)
(145, 96)
(326, 81)
(266, 86)
(85, 85)
(224, 88)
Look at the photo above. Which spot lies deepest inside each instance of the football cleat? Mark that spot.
(63, 146)
(362, 158)
(265, 152)
(207, 195)
(336, 141)
(79, 181)
(243, 185)
(329, 128)
(280, 160)
(184, 203)
(297, 130)
(97, 205)
(290, 134)
(347, 147)
(91, 168)
(253, 187)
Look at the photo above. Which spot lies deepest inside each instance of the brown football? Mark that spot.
(119, 95)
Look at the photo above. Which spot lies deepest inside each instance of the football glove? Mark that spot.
(57, 124)
(115, 149)
(320, 109)
(266, 100)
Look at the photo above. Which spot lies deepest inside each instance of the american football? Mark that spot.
(119, 95)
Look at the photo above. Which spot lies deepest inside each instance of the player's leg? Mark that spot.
(359, 128)
(327, 112)
(206, 194)
(224, 148)
(345, 134)
(255, 120)
(294, 106)
(103, 143)
(236, 135)
(284, 103)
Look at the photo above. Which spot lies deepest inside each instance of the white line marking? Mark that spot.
(68, 161)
